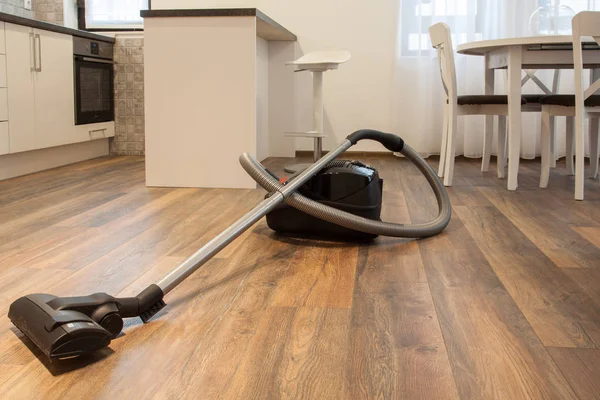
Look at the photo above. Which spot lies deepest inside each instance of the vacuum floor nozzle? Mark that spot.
(58, 334)
(67, 327)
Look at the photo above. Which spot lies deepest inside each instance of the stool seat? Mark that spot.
(321, 60)
(316, 62)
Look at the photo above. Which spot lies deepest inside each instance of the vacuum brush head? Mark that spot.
(58, 334)
(67, 327)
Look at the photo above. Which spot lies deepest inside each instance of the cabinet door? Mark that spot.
(20, 80)
(54, 89)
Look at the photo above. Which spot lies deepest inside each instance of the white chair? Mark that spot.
(464, 105)
(584, 103)
(316, 62)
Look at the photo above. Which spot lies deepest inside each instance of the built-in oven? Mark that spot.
(94, 94)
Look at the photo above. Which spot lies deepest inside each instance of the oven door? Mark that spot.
(93, 91)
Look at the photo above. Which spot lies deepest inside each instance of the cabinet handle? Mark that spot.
(39, 51)
(32, 38)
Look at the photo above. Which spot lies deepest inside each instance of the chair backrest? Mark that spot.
(586, 23)
(441, 40)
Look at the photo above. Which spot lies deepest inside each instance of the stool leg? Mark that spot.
(318, 150)
(318, 112)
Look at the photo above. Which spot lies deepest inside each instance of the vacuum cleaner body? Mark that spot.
(346, 185)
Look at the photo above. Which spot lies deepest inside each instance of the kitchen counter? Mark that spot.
(216, 85)
(266, 28)
(33, 23)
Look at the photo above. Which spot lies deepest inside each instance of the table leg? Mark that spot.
(514, 115)
(488, 133)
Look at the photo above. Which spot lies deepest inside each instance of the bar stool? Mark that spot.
(316, 62)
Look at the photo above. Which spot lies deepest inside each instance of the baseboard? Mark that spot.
(309, 153)
(28, 162)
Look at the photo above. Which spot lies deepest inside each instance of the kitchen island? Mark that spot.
(216, 85)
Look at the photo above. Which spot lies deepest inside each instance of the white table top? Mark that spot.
(482, 47)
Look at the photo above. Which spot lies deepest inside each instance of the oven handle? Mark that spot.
(95, 60)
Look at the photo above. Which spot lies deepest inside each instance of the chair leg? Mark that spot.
(545, 149)
(579, 157)
(553, 155)
(501, 147)
(451, 145)
(444, 148)
(594, 123)
(569, 146)
(488, 136)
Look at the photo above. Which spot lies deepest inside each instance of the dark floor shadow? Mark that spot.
(60, 367)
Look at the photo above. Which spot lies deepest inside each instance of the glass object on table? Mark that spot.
(552, 18)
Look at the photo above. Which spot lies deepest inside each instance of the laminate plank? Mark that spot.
(550, 236)
(27, 224)
(316, 356)
(553, 304)
(19, 252)
(125, 263)
(231, 206)
(582, 369)
(97, 242)
(258, 375)
(319, 276)
(588, 280)
(114, 209)
(7, 371)
(591, 234)
(45, 184)
(396, 347)
(493, 351)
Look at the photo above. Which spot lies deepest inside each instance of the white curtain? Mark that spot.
(417, 106)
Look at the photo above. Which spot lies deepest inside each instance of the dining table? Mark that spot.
(530, 54)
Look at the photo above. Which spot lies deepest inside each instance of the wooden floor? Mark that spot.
(505, 304)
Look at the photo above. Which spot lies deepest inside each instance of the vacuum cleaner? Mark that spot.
(330, 198)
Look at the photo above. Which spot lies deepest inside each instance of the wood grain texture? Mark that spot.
(493, 351)
(550, 235)
(553, 304)
(582, 369)
(464, 314)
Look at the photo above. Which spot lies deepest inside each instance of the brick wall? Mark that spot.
(16, 7)
(129, 95)
(49, 11)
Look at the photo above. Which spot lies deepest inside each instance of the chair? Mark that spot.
(464, 105)
(316, 62)
(584, 103)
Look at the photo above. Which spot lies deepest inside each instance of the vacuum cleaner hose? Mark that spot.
(351, 221)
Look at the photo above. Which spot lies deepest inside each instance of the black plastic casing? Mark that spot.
(354, 188)
(78, 335)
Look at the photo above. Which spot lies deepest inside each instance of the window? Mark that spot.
(417, 15)
(578, 5)
(114, 14)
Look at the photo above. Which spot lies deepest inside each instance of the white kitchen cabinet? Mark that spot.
(20, 78)
(54, 89)
(39, 70)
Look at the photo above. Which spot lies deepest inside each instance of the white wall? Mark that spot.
(359, 94)
(70, 13)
